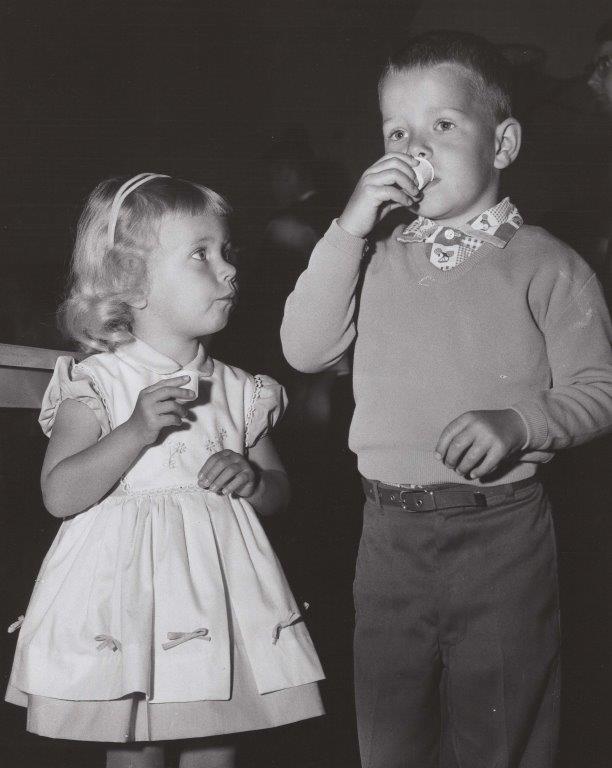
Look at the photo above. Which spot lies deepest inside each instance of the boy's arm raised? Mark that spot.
(319, 325)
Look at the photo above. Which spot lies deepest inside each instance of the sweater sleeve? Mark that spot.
(578, 406)
(319, 321)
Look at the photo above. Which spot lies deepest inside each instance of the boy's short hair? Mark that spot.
(492, 78)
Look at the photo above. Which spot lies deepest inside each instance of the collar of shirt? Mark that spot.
(450, 246)
(138, 353)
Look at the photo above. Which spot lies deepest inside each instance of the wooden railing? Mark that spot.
(25, 373)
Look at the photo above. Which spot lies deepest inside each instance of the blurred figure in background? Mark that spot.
(313, 437)
(562, 180)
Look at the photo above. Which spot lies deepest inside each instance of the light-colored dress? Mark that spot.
(162, 612)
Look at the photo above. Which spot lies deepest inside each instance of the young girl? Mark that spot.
(160, 611)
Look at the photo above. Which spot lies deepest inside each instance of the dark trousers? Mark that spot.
(457, 635)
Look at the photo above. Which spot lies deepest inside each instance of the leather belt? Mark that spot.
(428, 498)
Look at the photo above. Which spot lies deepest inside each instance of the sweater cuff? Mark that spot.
(535, 423)
(342, 240)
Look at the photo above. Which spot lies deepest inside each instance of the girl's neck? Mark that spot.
(180, 349)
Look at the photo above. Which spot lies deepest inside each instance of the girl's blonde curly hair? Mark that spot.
(105, 282)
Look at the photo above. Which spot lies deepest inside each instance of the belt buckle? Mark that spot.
(418, 499)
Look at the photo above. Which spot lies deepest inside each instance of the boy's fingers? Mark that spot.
(402, 156)
(391, 164)
(458, 446)
(471, 459)
(393, 177)
(395, 195)
(486, 466)
(448, 433)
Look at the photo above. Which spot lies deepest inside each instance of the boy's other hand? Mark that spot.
(228, 472)
(388, 184)
(476, 442)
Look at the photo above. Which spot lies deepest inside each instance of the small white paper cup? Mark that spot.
(424, 172)
(194, 379)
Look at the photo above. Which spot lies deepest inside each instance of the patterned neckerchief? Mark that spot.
(449, 246)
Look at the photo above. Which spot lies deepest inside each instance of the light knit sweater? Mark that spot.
(523, 327)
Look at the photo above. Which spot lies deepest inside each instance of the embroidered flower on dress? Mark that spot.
(175, 450)
(217, 443)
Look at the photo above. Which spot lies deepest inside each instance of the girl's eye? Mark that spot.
(199, 255)
(397, 135)
(445, 125)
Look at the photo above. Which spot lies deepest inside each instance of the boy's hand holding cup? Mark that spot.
(391, 182)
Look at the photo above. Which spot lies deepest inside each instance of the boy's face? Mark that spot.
(435, 112)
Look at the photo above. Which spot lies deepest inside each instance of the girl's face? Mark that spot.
(192, 285)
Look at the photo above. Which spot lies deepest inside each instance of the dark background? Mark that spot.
(200, 89)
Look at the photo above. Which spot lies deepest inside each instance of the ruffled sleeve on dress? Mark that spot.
(265, 402)
(70, 382)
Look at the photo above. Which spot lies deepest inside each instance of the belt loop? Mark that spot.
(376, 494)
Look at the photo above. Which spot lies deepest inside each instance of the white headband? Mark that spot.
(123, 191)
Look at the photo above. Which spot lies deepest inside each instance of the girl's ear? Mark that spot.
(507, 142)
(139, 301)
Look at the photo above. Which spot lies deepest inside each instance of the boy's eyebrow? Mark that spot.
(433, 109)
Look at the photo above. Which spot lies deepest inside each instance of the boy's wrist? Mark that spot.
(351, 228)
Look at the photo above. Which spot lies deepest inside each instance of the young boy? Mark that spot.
(482, 346)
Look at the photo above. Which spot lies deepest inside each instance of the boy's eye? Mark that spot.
(445, 125)
(199, 255)
(397, 135)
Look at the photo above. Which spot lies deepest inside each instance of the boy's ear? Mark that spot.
(507, 142)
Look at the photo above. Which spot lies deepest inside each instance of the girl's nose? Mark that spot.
(228, 272)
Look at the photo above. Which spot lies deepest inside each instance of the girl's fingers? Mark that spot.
(175, 381)
(172, 393)
(170, 420)
(239, 483)
(170, 406)
(225, 476)
(215, 465)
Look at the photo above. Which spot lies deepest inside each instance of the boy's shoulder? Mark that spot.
(545, 253)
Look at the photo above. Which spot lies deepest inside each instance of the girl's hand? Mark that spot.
(157, 407)
(228, 472)
(478, 441)
(389, 183)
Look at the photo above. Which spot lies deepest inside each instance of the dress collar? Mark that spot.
(138, 353)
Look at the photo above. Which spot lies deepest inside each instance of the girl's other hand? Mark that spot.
(228, 472)
(388, 184)
(157, 407)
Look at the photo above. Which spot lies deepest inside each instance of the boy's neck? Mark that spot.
(458, 220)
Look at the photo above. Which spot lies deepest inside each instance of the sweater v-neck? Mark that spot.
(429, 275)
